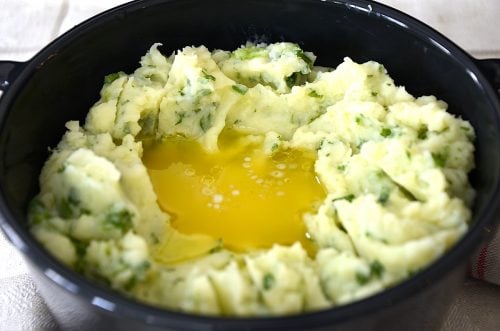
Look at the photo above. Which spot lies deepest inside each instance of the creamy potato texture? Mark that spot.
(252, 183)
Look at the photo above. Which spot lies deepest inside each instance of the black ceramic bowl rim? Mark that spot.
(120, 306)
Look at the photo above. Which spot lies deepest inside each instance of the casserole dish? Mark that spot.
(62, 81)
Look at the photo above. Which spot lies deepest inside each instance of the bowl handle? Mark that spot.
(9, 70)
(491, 69)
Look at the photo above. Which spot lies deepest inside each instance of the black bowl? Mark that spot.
(62, 81)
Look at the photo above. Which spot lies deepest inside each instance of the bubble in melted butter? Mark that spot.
(238, 196)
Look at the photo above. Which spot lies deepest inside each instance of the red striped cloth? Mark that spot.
(485, 263)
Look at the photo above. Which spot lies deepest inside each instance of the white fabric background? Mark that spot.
(28, 25)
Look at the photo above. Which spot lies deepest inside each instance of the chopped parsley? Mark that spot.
(80, 247)
(218, 247)
(349, 198)
(148, 125)
(268, 281)
(121, 220)
(241, 89)
(292, 79)
(384, 195)
(180, 117)
(112, 77)
(248, 53)
(38, 212)
(385, 132)
(440, 159)
(69, 207)
(314, 94)
(362, 278)
(376, 268)
(61, 168)
(154, 238)
(376, 271)
(300, 54)
(204, 92)
(422, 132)
(140, 272)
(207, 76)
(206, 122)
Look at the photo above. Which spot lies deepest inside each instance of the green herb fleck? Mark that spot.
(268, 281)
(126, 128)
(248, 53)
(218, 246)
(422, 132)
(300, 54)
(121, 220)
(180, 117)
(384, 195)
(206, 122)
(138, 276)
(148, 125)
(207, 76)
(408, 195)
(376, 271)
(274, 147)
(321, 143)
(154, 238)
(385, 132)
(314, 94)
(61, 168)
(73, 197)
(80, 250)
(376, 268)
(241, 89)
(80, 247)
(37, 211)
(362, 278)
(360, 144)
(64, 209)
(204, 92)
(292, 79)
(143, 267)
(370, 76)
(69, 207)
(440, 159)
(359, 120)
(374, 94)
(468, 133)
(371, 236)
(341, 167)
(112, 77)
(349, 198)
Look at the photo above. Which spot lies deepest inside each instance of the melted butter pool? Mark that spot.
(237, 195)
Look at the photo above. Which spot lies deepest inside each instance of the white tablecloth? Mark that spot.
(26, 26)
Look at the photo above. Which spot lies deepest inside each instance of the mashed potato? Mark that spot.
(392, 167)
